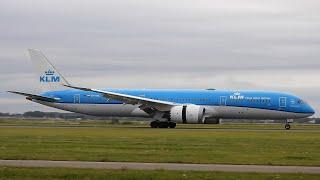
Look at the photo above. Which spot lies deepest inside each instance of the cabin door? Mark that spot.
(77, 98)
(282, 102)
(223, 100)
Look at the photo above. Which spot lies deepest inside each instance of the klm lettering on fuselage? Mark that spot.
(239, 96)
(236, 96)
(49, 76)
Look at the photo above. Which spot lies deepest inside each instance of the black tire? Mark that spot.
(154, 124)
(163, 124)
(172, 125)
(287, 126)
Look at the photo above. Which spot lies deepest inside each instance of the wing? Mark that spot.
(34, 97)
(145, 103)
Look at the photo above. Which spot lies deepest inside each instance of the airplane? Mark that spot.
(166, 107)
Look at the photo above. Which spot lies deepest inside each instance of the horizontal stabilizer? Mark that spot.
(35, 97)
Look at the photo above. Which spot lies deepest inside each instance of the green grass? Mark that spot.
(230, 143)
(66, 173)
(108, 123)
(63, 123)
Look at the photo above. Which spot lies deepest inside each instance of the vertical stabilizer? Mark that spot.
(48, 76)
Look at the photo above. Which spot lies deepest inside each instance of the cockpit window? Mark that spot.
(300, 101)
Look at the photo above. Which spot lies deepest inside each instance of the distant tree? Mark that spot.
(4, 114)
(115, 121)
(34, 114)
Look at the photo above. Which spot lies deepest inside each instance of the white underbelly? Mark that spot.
(119, 110)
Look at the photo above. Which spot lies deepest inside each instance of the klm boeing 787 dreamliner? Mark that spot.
(165, 106)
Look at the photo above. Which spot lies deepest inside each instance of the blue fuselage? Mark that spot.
(275, 101)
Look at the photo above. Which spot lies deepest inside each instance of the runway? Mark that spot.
(160, 166)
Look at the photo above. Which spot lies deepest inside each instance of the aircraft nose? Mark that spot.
(311, 111)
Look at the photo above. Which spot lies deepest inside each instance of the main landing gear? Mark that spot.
(287, 126)
(162, 124)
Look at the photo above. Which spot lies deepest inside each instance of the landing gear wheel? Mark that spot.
(163, 124)
(154, 124)
(287, 126)
(172, 125)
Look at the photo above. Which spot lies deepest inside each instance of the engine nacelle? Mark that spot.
(193, 114)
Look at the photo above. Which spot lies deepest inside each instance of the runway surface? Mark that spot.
(158, 166)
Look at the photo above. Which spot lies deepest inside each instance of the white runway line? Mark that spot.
(162, 166)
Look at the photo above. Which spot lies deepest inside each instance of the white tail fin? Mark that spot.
(48, 76)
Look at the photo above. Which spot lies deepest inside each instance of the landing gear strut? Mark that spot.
(287, 126)
(162, 124)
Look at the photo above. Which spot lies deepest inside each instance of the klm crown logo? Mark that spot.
(237, 94)
(49, 73)
(49, 77)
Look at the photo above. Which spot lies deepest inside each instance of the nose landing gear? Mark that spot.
(287, 126)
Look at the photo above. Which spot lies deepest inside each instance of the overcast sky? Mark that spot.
(247, 44)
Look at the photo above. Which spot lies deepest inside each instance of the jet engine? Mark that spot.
(192, 114)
